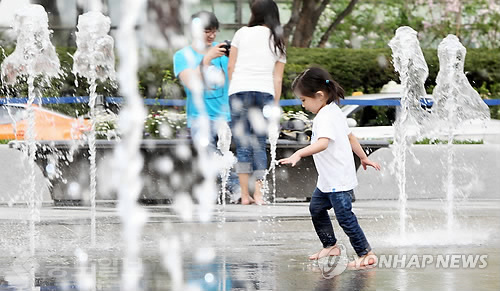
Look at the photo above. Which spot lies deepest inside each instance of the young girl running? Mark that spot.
(332, 144)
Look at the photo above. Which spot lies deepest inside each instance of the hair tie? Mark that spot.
(327, 81)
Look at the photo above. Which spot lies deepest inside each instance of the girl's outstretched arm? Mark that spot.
(358, 150)
(320, 145)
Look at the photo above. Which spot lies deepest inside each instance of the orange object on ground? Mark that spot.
(49, 125)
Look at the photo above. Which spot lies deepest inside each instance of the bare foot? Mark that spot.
(367, 261)
(259, 201)
(258, 198)
(330, 251)
(248, 201)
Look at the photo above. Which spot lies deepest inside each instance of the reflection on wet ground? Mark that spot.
(253, 248)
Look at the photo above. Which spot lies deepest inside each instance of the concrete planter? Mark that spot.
(476, 170)
(69, 183)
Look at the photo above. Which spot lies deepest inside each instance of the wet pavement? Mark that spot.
(254, 248)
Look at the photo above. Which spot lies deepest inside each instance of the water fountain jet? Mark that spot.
(456, 102)
(94, 60)
(410, 63)
(34, 58)
(127, 158)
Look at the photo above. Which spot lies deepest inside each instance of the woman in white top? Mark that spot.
(256, 64)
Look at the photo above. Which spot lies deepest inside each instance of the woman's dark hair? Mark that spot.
(316, 79)
(265, 12)
(208, 19)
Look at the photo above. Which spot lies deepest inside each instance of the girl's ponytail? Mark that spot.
(335, 91)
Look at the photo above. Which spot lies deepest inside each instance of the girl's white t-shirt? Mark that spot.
(335, 164)
(255, 62)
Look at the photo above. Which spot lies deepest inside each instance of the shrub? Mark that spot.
(365, 70)
(165, 124)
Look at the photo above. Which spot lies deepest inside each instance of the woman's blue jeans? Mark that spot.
(341, 203)
(249, 128)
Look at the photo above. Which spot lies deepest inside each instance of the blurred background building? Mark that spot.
(159, 17)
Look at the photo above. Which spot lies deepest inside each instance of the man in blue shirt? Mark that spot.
(207, 62)
(192, 63)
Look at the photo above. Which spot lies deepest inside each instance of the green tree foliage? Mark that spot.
(367, 70)
(372, 23)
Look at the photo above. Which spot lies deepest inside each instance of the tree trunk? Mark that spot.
(336, 22)
(308, 19)
(167, 15)
(288, 28)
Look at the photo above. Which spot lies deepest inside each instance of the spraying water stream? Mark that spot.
(273, 113)
(34, 58)
(456, 102)
(409, 62)
(227, 158)
(128, 161)
(94, 60)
